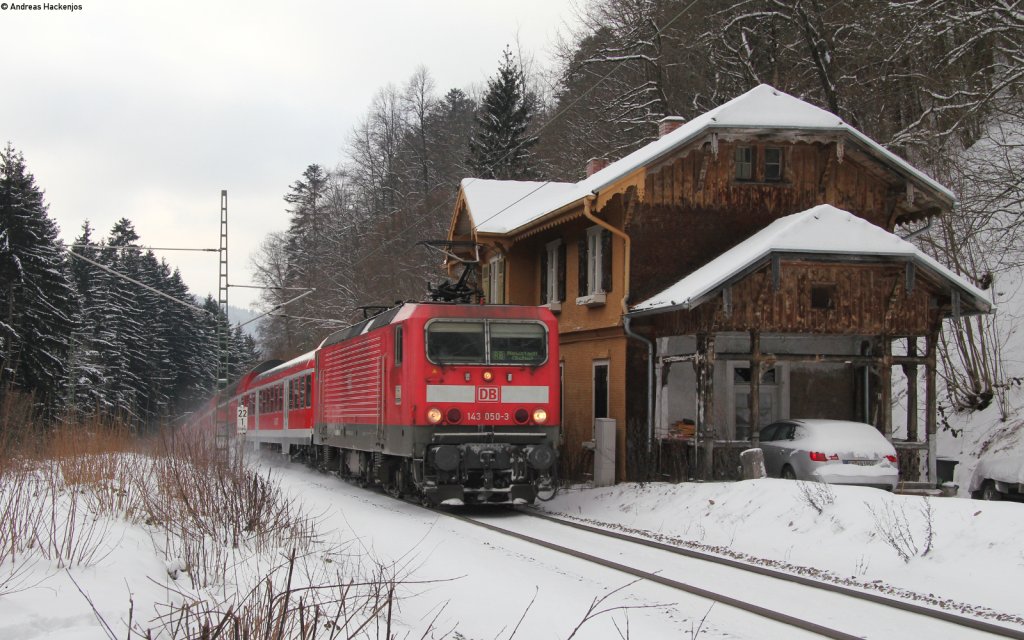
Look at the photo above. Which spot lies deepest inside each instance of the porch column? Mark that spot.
(755, 388)
(910, 370)
(885, 382)
(705, 401)
(930, 405)
(913, 465)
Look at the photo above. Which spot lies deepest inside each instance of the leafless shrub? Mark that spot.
(198, 489)
(601, 605)
(816, 495)
(894, 528)
(695, 631)
(299, 597)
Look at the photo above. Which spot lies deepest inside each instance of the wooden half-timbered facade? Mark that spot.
(824, 324)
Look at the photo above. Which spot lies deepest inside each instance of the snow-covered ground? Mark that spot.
(459, 581)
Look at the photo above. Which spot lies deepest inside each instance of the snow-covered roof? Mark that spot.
(821, 230)
(501, 206)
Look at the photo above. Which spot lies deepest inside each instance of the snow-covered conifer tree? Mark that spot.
(500, 147)
(36, 296)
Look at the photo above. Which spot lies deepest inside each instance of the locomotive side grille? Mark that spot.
(352, 380)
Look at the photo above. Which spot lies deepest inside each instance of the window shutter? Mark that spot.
(499, 295)
(582, 280)
(544, 277)
(606, 260)
(485, 280)
(561, 272)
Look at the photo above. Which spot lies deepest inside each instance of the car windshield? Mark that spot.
(464, 342)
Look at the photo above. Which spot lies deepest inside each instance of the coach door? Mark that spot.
(286, 404)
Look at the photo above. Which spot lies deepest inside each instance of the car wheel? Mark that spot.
(788, 473)
(989, 491)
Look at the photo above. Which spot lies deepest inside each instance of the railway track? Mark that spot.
(821, 608)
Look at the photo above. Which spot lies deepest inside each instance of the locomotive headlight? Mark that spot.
(488, 376)
(540, 416)
(433, 415)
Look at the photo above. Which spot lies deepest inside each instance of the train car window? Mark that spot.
(398, 345)
(309, 391)
(456, 342)
(518, 343)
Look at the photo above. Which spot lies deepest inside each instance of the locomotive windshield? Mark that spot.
(451, 342)
(516, 343)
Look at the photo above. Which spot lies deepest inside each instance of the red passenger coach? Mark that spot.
(274, 404)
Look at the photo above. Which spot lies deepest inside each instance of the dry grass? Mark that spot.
(243, 560)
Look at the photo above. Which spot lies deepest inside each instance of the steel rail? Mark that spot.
(668, 582)
(973, 623)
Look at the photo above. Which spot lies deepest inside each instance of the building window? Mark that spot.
(744, 163)
(823, 296)
(772, 164)
(494, 280)
(595, 266)
(552, 273)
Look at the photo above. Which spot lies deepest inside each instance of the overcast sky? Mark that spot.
(147, 110)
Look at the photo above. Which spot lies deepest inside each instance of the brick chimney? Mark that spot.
(668, 124)
(596, 164)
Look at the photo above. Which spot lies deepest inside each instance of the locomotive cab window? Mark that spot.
(398, 346)
(456, 342)
(518, 343)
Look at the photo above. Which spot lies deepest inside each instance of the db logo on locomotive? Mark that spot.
(487, 394)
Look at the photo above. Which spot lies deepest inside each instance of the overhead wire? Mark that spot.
(104, 267)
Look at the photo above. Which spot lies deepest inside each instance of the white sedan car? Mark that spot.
(832, 451)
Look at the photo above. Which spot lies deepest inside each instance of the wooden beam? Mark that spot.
(822, 357)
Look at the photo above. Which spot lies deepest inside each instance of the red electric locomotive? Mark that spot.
(455, 403)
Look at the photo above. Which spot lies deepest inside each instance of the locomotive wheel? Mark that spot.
(397, 485)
